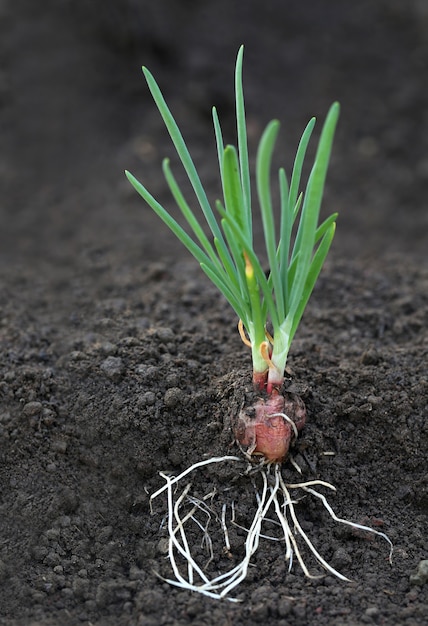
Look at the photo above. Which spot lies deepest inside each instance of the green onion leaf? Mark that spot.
(227, 253)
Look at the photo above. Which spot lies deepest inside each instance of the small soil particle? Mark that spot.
(113, 367)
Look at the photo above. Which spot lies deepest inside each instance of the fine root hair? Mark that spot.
(275, 504)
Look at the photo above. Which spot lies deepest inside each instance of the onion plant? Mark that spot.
(221, 238)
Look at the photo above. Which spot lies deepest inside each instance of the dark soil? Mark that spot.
(120, 360)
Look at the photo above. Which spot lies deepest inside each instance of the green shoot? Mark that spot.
(295, 251)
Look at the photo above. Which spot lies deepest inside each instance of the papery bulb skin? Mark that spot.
(262, 430)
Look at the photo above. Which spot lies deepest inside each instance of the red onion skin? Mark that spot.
(261, 432)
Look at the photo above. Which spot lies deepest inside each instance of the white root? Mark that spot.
(185, 513)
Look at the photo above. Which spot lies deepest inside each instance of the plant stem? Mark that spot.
(281, 347)
(256, 329)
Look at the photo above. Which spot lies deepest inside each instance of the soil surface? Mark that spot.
(120, 359)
